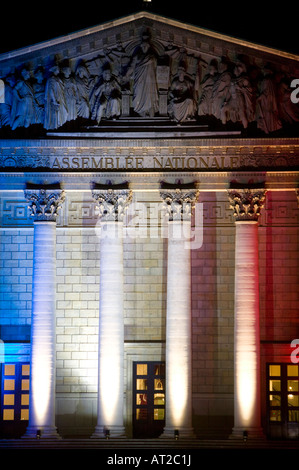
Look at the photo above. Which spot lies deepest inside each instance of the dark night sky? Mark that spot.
(25, 23)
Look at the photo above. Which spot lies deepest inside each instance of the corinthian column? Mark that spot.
(246, 205)
(111, 204)
(44, 205)
(178, 204)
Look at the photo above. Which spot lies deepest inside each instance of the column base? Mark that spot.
(108, 432)
(177, 433)
(41, 432)
(247, 434)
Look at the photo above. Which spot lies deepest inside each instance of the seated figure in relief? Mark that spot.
(182, 103)
(106, 97)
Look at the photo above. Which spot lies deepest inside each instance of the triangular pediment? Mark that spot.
(147, 66)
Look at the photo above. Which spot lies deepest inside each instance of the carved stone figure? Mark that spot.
(55, 103)
(182, 105)
(221, 93)
(70, 93)
(39, 94)
(240, 105)
(23, 112)
(83, 90)
(267, 109)
(145, 90)
(107, 96)
(6, 107)
(207, 86)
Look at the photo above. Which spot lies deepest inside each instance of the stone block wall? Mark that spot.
(145, 284)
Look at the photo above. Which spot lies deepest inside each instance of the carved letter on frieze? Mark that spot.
(246, 203)
(112, 203)
(44, 204)
(178, 203)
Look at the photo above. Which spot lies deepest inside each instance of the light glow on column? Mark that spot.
(247, 326)
(41, 410)
(178, 329)
(111, 327)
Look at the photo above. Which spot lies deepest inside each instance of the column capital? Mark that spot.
(246, 203)
(112, 203)
(178, 203)
(44, 203)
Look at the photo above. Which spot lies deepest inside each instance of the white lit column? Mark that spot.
(178, 317)
(111, 320)
(247, 411)
(44, 205)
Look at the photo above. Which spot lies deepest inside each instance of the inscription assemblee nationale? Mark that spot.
(140, 163)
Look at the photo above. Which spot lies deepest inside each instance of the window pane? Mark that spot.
(159, 414)
(9, 384)
(141, 384)
(275, 400)
(24, 399)
(25, 384)
(9, 369)
(159, 399)
(141, 369)
(293, 400)
(274, 386)
(294, 416)
(25, 369)
(25, 415)
(141, 399)
(141, 414)
(160, 369)
(275, 415)
(9, 399)
(274, 370)
(159, 384)
(8, 415)
(293, 385)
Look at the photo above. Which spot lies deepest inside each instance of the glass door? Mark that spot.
(14, 406)
(148, 399)
(283, 401)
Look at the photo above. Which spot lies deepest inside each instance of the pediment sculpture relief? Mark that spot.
(147, 78)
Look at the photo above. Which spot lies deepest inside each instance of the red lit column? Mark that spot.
(110, 413)
(44, 205)
(246, 204)
(178, 204)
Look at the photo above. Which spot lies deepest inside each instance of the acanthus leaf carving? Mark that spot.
(44, 204)
(246, 203)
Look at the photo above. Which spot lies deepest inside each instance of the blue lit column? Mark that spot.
(110, 411)
(178, 204)
(44, 205)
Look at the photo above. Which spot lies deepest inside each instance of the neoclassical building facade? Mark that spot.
(149, 235)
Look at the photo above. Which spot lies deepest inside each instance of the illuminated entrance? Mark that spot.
(148, 399)
(14, 399)
(283, 401)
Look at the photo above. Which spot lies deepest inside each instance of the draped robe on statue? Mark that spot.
(145, 92)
